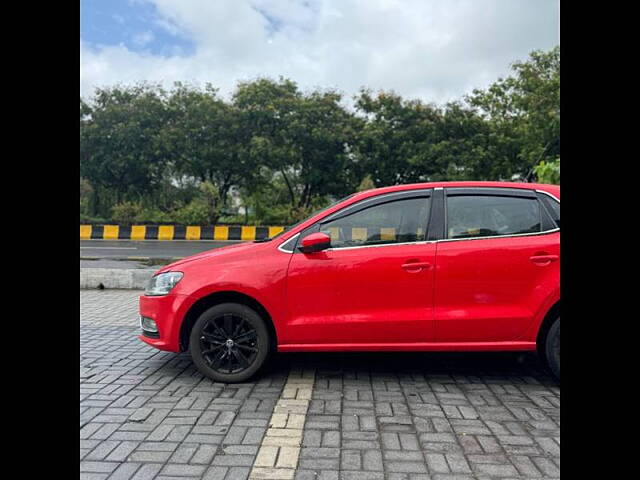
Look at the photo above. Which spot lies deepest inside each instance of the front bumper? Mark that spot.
(167, 311)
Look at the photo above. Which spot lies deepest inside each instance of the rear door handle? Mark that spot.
(416, 266)
(543, 259)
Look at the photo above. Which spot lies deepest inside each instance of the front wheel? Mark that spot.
(552, 348)
(229, 343)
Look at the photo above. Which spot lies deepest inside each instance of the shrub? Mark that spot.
(231, 220)
(86, 218)
(194, 213)
(126, 212)
(153, 215)
(548, 172)
(366, 184)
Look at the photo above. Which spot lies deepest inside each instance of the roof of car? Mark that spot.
(553, 189)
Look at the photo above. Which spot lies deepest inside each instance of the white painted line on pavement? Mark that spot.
(108, 248)
(277, 458)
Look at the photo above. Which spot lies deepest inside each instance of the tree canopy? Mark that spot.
(188, 155)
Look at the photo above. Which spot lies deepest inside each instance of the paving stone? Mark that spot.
(147, 471)
(184, 470)
(147, 414)
(125, 471)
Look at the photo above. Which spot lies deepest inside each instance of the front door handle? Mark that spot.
(415, 267)
(543, 259)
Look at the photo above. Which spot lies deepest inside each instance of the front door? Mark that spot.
(374, 286)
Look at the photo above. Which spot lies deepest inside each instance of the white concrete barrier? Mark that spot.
(136, 279)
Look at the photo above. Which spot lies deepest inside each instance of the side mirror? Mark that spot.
(315, 242)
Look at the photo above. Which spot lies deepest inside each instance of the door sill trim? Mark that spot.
(408, 347)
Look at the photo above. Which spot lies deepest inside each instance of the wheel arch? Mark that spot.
(216, 298)
(551, 315)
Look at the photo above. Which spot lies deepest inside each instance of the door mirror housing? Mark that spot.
(315, 242)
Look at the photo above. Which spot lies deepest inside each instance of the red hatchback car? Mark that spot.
(456, 266)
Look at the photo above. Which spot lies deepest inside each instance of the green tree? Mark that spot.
(300, 138)
(525, 108)
(206, 141)
(548, 172)
(120, 150)
(183, 154)
(366, 184)
(465, 147)
(393, 138)
(86, 190)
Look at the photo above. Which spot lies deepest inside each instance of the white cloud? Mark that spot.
(433, 49)
(143, 39)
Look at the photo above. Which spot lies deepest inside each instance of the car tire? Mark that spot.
(552, 348)
(229, 343)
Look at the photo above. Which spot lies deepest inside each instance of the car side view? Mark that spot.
(450, 266)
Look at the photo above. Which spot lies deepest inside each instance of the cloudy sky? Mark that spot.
(435, 50)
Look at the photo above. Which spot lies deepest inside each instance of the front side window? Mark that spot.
(398, 221)
(470, 216)
(288, 229)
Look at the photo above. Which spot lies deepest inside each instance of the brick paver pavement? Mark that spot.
(149, 414)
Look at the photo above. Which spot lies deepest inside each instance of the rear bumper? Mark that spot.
(167, 311)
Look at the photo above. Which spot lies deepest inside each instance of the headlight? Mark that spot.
(163, 283)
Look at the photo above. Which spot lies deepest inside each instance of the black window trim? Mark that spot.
(436, 228)
(546, 203)
(368, 203)
(496, 192)
(377, 200)
(294, 237)
(490, 191)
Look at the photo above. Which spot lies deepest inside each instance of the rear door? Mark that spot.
(496, 266)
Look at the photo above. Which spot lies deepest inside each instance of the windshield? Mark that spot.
(305, 219)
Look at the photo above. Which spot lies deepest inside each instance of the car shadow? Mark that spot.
(519, 367)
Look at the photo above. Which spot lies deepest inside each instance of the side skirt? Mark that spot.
(409, 347)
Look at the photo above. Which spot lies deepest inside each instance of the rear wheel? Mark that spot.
(552, 348)
(229, 343)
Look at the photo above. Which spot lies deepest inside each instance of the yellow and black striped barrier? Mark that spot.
(230, 232)
(176, 232)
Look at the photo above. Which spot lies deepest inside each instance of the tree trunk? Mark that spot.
(95, 205)
(292, 195)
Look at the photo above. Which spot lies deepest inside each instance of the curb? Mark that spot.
(134, 259)
(132, 279)
(176, 232)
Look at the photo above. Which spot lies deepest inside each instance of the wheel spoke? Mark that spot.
(217, 330)
(247, 347)
(211, 338)
(230, 361)
(218, 361)
(238, 327)
(211, 350)
(227, 325)
(245, 337)
(242, 360)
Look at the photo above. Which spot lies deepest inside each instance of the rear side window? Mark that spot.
(470, 216)
(398, 221)
(553, 207)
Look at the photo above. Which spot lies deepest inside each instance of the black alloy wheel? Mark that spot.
(229, 343)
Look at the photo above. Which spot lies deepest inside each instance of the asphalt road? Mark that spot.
(122, 249)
